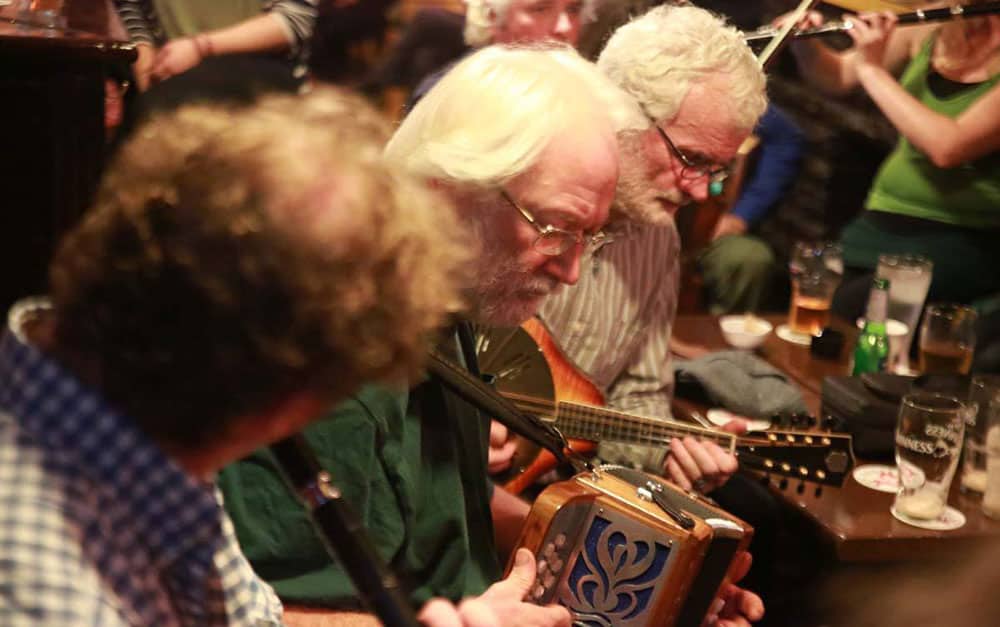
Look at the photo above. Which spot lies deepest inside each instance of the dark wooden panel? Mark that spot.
(52, 116)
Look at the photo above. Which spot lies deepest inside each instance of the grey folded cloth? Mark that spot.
(741, 383)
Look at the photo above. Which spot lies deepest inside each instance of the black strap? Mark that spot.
(467, 341)
(486, 399)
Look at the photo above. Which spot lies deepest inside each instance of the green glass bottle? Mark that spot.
(872, 347)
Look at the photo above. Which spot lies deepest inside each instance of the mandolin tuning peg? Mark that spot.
(783, 484)
(765, 479)
(811, 421)
(819, 491)
(801, 488)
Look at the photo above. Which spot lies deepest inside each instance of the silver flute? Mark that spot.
(916, 17)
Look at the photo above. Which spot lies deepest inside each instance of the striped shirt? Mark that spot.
(97, 525)
(614, 325)
(298, 17)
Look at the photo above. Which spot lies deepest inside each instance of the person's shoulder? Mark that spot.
(372, 409)
(40, 586)
(657, 239)
(45, 576)
(374, 404)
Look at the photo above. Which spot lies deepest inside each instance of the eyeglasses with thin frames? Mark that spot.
(553, 241)
(694, 168)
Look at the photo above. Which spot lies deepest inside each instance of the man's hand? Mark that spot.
(506, 597)
(736, 607)
(176, 57)
(502, 448)
(729, 224)
(701, 466)
(469, 613)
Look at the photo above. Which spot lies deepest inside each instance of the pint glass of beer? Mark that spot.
(928, 442)
(947, 339)
(811, 298)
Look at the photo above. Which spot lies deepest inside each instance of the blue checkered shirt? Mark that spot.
(97, 525)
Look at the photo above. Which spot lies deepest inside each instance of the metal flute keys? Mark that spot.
(916, 17)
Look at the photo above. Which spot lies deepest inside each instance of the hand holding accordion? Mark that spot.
(620, 547)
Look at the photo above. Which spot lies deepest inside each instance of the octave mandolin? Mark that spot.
(531, 371)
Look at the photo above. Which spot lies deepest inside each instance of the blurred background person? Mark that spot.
(938, 192)
(225, 50)
(218, 296)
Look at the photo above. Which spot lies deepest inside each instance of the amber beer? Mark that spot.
(944, 357)
(809, 314)
(947, 339)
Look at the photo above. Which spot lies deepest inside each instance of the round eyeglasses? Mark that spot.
(553, 241)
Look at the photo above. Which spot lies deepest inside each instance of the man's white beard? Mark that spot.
(637, 197)
(506, 294)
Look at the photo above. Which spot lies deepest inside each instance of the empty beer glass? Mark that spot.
(909, 279)
(947, 339)
(928, 441)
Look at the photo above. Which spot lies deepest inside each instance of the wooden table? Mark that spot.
(854, 520)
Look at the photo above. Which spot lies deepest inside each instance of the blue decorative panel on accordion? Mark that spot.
(613, 576)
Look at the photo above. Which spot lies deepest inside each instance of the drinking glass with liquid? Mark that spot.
(928, 442)
(816, 270)
(984, 402)
(991, 494)
(947, 339)
(909, 280)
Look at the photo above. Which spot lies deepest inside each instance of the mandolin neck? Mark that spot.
(598, 424)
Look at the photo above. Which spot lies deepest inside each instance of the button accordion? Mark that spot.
(620, 547)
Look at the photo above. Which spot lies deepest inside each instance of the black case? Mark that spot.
(867, 406)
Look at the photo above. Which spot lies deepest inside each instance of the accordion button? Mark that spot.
(548, 580)
(542, 566)
(556, 565)
(539, 591)
(549, 550)
(560, 540)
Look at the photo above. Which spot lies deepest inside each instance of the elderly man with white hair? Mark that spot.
(702, 92)
(526, 151)
(511, 21)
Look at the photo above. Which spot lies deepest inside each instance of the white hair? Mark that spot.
(658, 56)
(492, 115)
(482, 15)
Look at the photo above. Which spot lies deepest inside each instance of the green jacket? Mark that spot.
(412, 465)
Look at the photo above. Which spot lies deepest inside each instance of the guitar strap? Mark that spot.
(489, 401)
(467, 342)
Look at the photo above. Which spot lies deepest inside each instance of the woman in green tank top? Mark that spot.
(938, 192)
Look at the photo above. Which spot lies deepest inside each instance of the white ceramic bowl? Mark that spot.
(744, 331)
